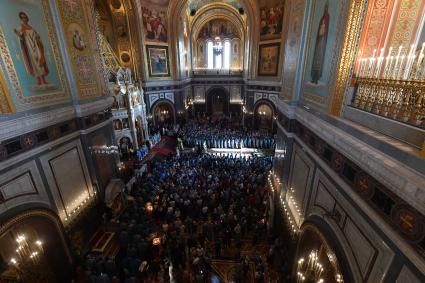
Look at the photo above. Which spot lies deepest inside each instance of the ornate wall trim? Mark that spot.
(6, 104)
(345, 66)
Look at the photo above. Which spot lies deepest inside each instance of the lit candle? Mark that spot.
(359, 67)
(362, 71)
(359, 64)
(400, 67)
(410, 59)
(419, 62)
(387, 64)
(372, 63)
(380, 59)
(394, 71)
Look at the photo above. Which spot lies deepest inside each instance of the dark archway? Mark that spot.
(36, 231)
(218, 101)
(317, 235)
(263, 115)
(163, 113)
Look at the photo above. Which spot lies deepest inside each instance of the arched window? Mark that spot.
(210, 54)
(227, 54)
(220, 58)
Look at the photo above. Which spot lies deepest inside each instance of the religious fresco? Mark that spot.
(323, 46)
(79, 44)
(198, 4)
(218, 28)
(269, 59)
(271, 19)
(292, 49)
(30, 53)
(154, 14)
(158, 61)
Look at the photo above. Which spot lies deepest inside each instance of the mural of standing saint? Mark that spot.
(320, 47)
(32, 49)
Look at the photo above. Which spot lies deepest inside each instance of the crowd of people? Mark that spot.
(187, 211)
(223, 134)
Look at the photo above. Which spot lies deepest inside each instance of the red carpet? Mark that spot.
(164, 147)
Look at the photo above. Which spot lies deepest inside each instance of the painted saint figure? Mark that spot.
(32, 50)
(320, 47)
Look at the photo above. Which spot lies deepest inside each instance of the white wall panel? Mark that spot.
(68, 176)
(22, 185)
(299, 183)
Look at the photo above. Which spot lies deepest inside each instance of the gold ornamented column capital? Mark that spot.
(346, 61)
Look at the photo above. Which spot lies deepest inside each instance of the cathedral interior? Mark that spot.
(212, 141)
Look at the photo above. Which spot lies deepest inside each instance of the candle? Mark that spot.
(388, 64)
(419, 61)
(380, 59)
(361, 71)
(400, 67)
(394, 71)
(371, 63)
(359, 67)
(359, 63)
(409, 64)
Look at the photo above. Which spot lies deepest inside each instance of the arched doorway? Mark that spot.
(263, 115)
(319, 259)
(33, 246)
(217, 101)
(163, 113)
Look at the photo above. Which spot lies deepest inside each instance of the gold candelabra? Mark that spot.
(396, 99)
(28, 260)
(310, 270)
(393, 86)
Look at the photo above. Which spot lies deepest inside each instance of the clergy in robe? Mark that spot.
(320, 47)
(32, 50)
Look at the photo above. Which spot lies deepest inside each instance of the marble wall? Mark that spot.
(57, 175)
(372, 249)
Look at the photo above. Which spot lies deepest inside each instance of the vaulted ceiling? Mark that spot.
(197, 4)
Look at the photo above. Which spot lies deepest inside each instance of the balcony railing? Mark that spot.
(395, 99)
(217, 72)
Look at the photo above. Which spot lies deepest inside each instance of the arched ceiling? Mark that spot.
(217, 14)
(220, 27)
(198, 4)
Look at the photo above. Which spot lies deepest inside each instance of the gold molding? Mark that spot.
(6, 103)
(38, 213)
(349, 48)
